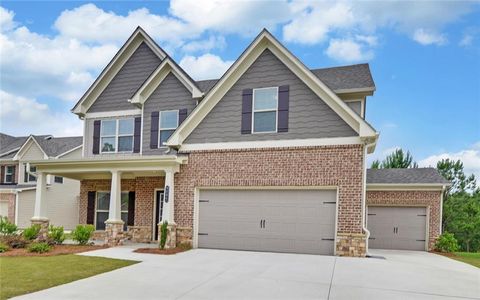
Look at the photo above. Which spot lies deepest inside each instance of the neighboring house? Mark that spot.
(18, 186)
(270, 157)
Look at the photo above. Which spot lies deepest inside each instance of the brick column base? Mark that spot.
(43, 233)
(351, 244)
(114, 234)
(171, 241)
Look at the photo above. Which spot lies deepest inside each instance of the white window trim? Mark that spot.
(25, 165)
(264, 110)
(160, 122)
(6, 174)
(107, 210)
(117, 135)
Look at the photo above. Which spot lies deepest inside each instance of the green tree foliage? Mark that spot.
(398, 159)
(453, 171)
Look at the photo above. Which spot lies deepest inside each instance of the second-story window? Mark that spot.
(117, 135)
(265, 106)
(8, 174)
(28, 177)
(168, 123)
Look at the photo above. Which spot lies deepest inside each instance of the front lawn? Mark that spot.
(22, 275)
(468, 257)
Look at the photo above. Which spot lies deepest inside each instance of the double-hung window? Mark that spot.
(102, 206)
(117, 135)
(168, 123)
(26, 176)
(8, 174)
(265, 108)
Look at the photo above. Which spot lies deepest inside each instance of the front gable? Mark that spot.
(309, 116)
(31, 150)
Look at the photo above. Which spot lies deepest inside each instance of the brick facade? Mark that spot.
(10, 199)
(430, 199)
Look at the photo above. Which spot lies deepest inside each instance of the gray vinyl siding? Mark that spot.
(135, 71)
(171, 94)
(309, 116)
(87, 147)
(356, 106)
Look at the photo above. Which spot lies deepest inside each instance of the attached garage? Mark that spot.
(396, 227)
(292, 221)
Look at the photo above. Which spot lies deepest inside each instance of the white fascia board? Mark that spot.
(114, 66)
(8, 152)
(262, 42)
(69, 151)
(118, 113)
(272, 144)
(157, 77)
(24, 148)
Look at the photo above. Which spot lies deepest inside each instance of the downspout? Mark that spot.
(364, 196)
(16, 206)
(441, 210)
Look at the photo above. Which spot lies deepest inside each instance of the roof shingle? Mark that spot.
(405, 176)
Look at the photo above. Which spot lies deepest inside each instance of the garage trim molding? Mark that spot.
(196, 203)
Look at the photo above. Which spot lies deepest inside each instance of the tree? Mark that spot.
(397, 159)
(453, 171)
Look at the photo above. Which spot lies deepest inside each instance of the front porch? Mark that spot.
(124, 199)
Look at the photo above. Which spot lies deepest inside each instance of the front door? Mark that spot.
(158, 211)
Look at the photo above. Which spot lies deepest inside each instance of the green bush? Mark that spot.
(3, 248)
(446, 243)
(83, 233)
(56, 234)
(163, 234)
(31, 232)
(39, 247)
(14, 241)
(6, 227)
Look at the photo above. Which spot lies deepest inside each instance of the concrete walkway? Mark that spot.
(220, 274)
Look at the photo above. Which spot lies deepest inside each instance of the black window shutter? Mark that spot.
(247, 111)
(283, 103)
(154, 130)
(96, 136)
(14, 180)
(137, 134)
(182, 115)
(131, 209)
(2, 173)
(25, 174)
(91, 207)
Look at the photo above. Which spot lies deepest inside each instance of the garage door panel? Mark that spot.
(297, 221)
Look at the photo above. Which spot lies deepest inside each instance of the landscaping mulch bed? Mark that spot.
(160, 251)
(56, 250)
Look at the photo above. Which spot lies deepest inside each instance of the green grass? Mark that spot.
(468, 257)
(22, 275)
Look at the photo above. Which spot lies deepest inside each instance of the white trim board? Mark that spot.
(23, 149)
(118, 113)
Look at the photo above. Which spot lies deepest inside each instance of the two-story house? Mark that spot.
(269, 157)
(18, 180)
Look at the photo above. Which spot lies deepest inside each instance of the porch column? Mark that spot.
(114, 224)
(169, 210)
(40, 209)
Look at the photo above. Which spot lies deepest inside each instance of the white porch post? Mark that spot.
(114, 210)
(40, 210)
(169, 207)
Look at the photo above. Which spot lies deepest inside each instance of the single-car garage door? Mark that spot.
(402, 228)
(296, 221)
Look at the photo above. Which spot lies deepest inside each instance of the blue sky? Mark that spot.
(425, 59)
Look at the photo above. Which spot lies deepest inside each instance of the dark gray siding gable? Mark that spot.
(171, 94)
(309, 116)
(135, 71)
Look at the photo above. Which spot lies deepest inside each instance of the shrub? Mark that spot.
(83, 233)
(6, 227)
(3, 248)
(446, 243)
(56, 234)
(39, 247)
(31, 232)
(163, 234)
(14, 241)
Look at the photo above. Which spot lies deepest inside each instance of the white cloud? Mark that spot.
(6, 19)
(470, 158)
(207, 66)
(22, 116)
(205, 45)
(466, 40)
(348, 50)
(426, 37)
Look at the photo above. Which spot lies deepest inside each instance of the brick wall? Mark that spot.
(10, 198)
(431, 199)
(315, 166)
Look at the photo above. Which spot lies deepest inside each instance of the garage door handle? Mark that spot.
(263, 223)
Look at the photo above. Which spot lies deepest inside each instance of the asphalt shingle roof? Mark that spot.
(405, 176)
(336, 78)
(9, 143)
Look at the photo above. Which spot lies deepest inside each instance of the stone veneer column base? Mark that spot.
(171, 241)
(139, 234)
(114, 234)
(43, 233)
(184, 236)
(351, 244)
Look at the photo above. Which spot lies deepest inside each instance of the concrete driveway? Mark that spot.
(220, 274)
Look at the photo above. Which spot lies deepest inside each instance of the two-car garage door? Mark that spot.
(295, 221)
